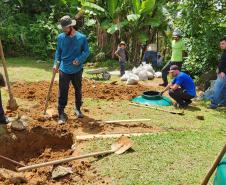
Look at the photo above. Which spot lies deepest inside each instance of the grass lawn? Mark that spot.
(182, 155)
(179, 156)
(27, 69)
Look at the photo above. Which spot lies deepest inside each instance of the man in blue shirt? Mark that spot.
(182, 89)
(71, 53)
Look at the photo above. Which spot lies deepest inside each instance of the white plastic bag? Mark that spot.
(143, 75)
(158, 74)
(138, 69)
(148, 67)
(150, 75)
(126, 75)
(134, 70)
(132, 80)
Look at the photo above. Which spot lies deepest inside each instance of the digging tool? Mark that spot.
(50, 88)
(12, 102)
(12, 161)
(122, 145)
(213, 168)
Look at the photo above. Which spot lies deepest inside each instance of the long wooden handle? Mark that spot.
(213, 168)
(5, 70)
(156, 108)
(11, 160)
(50, 88)
(63, 160)
(124, 121)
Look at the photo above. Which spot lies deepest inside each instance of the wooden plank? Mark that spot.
(128, 120)
(105, 136)
(157, 108)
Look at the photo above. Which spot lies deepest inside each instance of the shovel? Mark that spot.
(12, 102)
(122, 145)
(50, 88)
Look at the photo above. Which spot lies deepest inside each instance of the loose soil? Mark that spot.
(45, 140)
(36, 92)
(91, 89)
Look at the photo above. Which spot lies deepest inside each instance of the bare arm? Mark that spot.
(170, 86)
(116, 53)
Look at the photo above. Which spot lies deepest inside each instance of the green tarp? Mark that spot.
(220, 176)
(163, 101)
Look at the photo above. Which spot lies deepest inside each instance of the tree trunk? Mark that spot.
(134, 54)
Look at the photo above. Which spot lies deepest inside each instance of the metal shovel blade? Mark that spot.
(122, 145)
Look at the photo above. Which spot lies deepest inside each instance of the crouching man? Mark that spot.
(3, 119)
(72, 51)
(182, 89)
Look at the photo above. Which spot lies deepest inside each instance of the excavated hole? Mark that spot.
(29, 145)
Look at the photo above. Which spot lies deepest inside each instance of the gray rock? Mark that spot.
(12, 177)
(18, 180)
(18, 125)
(61, 171)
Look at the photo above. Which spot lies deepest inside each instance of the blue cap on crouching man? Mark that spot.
(173, 68)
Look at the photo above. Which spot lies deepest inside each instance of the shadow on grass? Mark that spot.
(193, 108)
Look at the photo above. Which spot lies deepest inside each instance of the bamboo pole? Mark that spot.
(105, 136)
(12, 102)
(157, 108)
(214, 166)
(128, 120)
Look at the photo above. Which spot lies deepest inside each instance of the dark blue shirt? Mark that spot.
(186, 83)
(70, 49)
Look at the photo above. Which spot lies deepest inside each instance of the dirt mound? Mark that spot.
(91, 89)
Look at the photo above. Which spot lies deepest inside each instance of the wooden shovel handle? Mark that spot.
(63, 160)
(5, 70)
(11, 160)
(214, 166)
(50, 88)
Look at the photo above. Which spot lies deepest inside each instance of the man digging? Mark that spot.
(71, 52)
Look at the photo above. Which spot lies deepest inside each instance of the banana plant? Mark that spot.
(128, 19)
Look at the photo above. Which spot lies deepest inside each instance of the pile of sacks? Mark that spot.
(141, 73)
